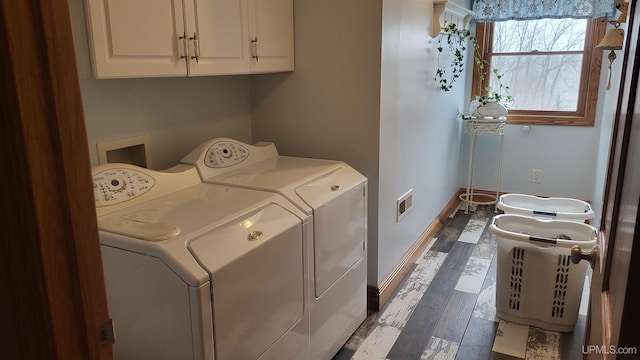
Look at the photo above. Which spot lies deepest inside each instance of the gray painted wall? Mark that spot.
(177, 113)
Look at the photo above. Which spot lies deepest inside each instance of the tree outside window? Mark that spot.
(550, 65)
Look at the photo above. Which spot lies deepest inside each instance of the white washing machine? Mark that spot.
(333, 195)
(201, 271)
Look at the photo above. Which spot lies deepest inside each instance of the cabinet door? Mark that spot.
(136, 38)
(271, 22)
(222, 43)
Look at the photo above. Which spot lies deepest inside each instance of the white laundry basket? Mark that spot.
(551, 208)
(536, 282)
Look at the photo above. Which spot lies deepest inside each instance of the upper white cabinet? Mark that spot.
(221, 31)
(138, 38)
(271, 32)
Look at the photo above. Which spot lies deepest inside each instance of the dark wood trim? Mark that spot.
(54, 298)
(377, 296)
(613, 314)
(624, 230)
(620, 135)
(483, 36)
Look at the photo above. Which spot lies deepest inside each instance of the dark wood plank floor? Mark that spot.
(445, 308)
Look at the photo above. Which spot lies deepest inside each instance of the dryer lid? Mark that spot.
(329, 186)
(218, 248)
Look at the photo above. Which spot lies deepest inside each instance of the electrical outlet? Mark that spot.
(404, 204)
(536, 175)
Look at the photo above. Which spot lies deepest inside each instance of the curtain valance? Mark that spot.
(502, 10)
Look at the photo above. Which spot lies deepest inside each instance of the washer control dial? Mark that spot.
(114, 186)
(224, 154)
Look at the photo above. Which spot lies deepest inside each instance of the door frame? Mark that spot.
(54, 301)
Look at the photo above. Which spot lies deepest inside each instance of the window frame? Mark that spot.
(589, 81)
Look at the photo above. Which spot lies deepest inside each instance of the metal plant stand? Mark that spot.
(481, 127)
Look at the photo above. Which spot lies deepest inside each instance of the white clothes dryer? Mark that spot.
(201, 271)
(333, 195)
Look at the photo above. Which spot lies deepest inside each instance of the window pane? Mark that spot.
(540, 82)
(539, 35)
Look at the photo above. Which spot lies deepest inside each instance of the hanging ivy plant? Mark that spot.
(455, 40)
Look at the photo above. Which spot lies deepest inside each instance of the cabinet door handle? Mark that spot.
(196, 47)
(254, 48)
(185, 50)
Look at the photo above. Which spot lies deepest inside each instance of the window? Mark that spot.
(551, 67)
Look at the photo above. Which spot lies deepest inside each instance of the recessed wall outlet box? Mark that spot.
(404, 204)
(132, 150)
(536, 175)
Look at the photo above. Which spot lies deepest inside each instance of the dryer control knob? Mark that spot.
(226, 153)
